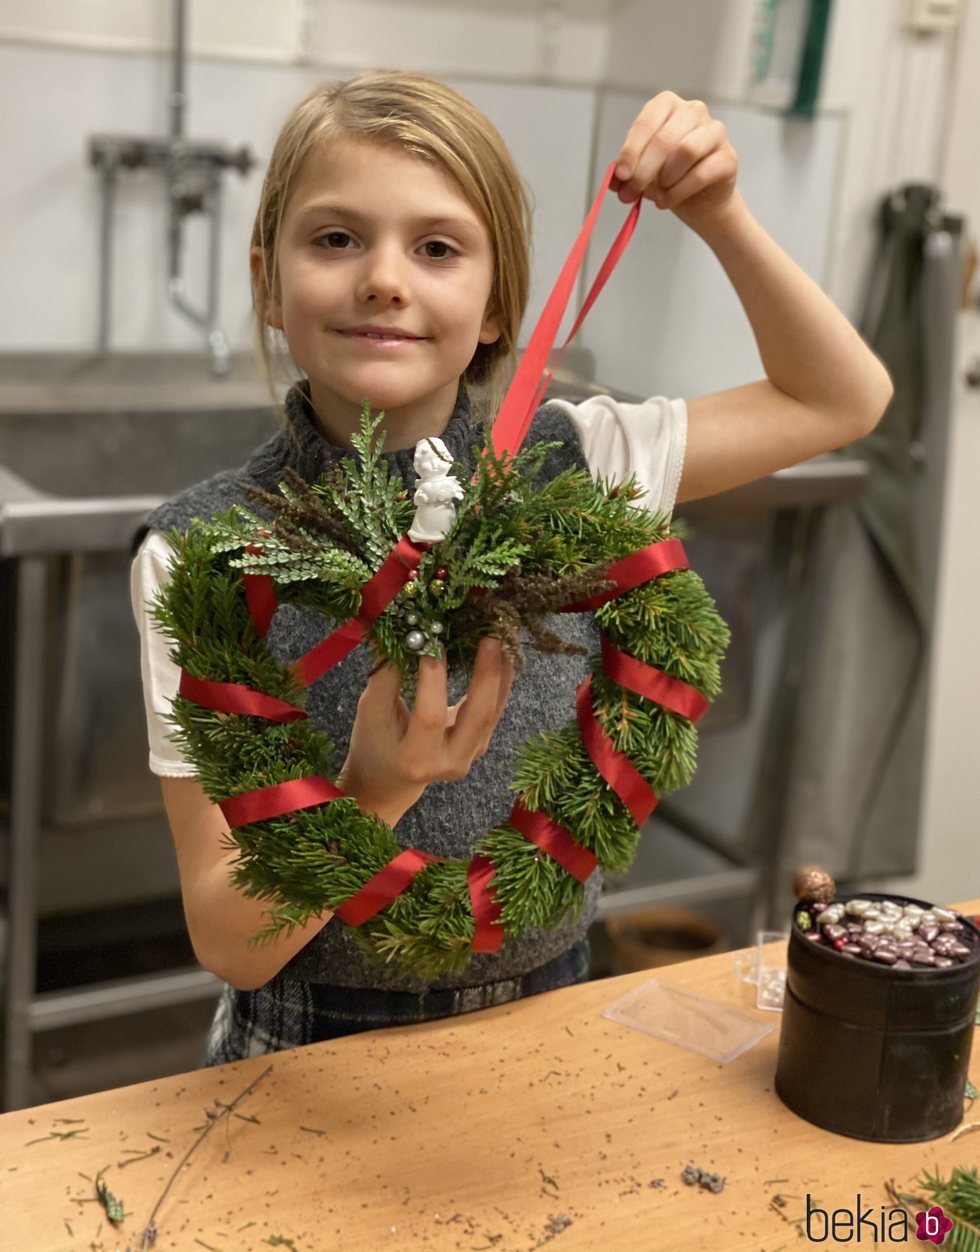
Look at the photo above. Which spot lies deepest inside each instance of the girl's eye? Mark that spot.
(439, 250)
(335, 239)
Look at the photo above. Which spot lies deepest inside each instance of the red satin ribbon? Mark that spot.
(236, 698)
(260, 595)
(386, 885)
(635, 570)
(614, 766)
(526, 389)
(279, 799)
(555, 840)
(377, 593)
(646, 680)
(488, 934)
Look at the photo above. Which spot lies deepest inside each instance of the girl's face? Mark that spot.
(384, 279)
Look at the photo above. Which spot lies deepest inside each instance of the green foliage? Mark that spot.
(958, 1196)
(518, 550)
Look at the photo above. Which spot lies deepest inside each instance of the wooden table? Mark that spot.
(519, 1127)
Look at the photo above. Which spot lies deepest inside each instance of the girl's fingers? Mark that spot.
(480, 709)
(653, 115)
(452, 713)
(383, 685)
(427, 724)
(672, 138)
(694, 147)
(716, 169)
(383, 698)
(506, 682)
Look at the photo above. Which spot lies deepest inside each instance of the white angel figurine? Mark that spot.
(435, 492)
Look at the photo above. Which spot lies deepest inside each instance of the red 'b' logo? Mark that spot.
(933, 1226)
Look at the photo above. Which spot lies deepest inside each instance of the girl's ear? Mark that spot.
(490, 330)
(270, 306)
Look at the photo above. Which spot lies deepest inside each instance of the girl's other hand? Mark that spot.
(395, 752)
(677, 155)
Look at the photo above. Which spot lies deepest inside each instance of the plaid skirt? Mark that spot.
(288, 1013)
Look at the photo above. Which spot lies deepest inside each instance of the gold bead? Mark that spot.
(411, 590)
(437, 586)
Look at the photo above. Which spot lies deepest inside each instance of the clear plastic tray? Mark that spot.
(709, 1027)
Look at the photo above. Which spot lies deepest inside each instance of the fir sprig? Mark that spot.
(958, 1196)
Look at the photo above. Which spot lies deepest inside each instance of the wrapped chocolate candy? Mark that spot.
(814, 885)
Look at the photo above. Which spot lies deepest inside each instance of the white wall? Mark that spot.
(508, 39)
(698, 48)
(50, 196)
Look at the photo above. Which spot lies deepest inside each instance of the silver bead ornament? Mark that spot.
(415, 640)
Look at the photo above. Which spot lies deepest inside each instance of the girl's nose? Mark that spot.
(384, 276)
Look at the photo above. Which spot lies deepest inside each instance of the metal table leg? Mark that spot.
(25, 824)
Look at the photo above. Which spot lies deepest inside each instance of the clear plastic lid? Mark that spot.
(713, 1029)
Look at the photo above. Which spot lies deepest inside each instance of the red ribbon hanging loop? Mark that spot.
(527, 387)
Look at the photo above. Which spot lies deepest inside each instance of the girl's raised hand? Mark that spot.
(677, 155)
(396, 752)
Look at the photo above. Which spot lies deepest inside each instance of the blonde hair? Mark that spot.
(430, 120)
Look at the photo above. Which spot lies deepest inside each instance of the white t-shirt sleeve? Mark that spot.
(150, 571)
(646, 440)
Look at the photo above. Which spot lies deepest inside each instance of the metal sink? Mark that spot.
(88, 444)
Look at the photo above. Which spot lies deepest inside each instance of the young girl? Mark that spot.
(390, 250)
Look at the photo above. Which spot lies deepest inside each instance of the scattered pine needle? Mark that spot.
(136, 1155)
(545, 1179)
(59, 1134)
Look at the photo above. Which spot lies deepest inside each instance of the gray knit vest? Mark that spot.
(450, 817)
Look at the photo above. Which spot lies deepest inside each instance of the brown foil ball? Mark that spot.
(814, 885)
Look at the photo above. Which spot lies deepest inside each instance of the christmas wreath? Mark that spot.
(516, 550)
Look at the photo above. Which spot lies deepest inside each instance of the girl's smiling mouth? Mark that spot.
(379, 334)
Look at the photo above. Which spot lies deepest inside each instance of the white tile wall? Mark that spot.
(49, 198)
